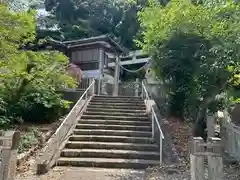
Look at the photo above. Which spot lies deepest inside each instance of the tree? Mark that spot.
(28, 80)
(195, 47)
(92, 18)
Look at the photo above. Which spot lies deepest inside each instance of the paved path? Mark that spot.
(103, 174)
(70, 173)
(65, 173)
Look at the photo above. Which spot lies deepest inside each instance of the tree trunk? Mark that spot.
(200, 124)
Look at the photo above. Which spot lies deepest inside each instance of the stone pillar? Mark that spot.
(116, 76)
(101, 66)
(9, 155)
(137, 87)
(215, 162)
(197, 162)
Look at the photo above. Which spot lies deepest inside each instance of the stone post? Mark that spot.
(101, 66)
(116, 76)
(137, 87)
(9, 155)
(197, 162)
(222, 121)
(215, 161)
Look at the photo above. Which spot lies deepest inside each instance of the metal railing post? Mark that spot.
(152, 125)
(93, 87)
(86, 95)
(154, 122)
(161, 144)
(136, 87)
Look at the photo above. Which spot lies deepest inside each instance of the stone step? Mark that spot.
(126, 118)
(114, 106)
(112, 132)
(117, 104)
(110, 145)
(115, 113)
(109, 153)
(103, 138)
(118, 100)
(103, 109)
(115, 122)
(112, 127)
(116, 97)
(107, 162)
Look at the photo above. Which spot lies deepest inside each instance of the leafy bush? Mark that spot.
(39, 106)
(28, 140)
(28, 80)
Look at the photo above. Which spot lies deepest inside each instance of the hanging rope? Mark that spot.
(134, 71)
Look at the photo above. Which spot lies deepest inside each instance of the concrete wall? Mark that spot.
(72, 95)
(157, 93)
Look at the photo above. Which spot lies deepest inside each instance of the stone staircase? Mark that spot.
(113, 132)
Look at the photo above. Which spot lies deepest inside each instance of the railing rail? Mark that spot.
(155, 121)
(230, 135)
(232, 143)
(75, 107)
(49, 153)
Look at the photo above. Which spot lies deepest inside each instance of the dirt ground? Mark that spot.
(181, 134)
(30, 142)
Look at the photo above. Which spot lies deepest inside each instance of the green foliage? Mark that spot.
(28, 80)
(195, 47)
(28, 140)
(92, 18)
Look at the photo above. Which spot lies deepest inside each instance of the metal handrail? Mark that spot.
(159, 127)
(154, 120)
(74, 107)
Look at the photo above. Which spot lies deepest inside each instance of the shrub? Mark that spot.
(28, 80)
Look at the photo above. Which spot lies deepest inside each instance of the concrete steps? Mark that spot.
(112, 127)
(103, 109)
(115, 122)
(111, 145)
(107, 162)
(137, 102)
(114, 113)
(116, 99)
(113, 132)
(116, 106)
(109, 153)
(104, 138)
(117, 117)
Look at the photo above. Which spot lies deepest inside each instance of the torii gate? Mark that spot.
(137, 57)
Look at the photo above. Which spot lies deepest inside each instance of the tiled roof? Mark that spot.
(91, 41)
